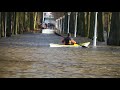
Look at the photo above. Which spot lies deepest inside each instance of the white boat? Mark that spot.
(48, 31)
(86, 44)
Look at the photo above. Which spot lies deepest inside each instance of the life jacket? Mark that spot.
(67, 41)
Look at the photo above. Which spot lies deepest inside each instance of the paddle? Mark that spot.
(58, 34)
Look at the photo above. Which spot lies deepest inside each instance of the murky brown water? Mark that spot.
(29, 56)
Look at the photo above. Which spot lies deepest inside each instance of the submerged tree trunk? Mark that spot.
(114, 35)
(100, 29)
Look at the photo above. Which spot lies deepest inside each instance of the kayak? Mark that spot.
(86, 44)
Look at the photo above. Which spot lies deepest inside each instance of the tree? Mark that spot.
(82, 24)
(114, 35)
(78, 24)
(12, 23)
(107, 22)
(31, 21)
(39, 16)
(66, 22)
(27, 21)
(63, 21)
(100, 29)
(35, 19)
(24, 24)
(72, 22)
(15, 23)
(21, 22)
(0, 24)
(92, 25)
(8, 31)
(87, 24)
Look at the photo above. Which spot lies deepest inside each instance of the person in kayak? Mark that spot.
(68, 40)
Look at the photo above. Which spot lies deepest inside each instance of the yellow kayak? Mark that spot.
(86, 44)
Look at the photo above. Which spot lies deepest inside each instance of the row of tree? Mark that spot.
(107, 21)
(13, 23)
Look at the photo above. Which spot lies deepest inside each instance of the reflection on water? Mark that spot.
(30, 58)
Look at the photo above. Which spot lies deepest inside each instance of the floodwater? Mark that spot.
(29, 56)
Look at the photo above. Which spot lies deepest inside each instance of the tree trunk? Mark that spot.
(35, 20)
(19, 20)
(114, 35)
(78, 24)
(38, 20)
(21, 28)
(31, 21)
(109, 23)
(24, 22)
(92, 25)
(63, 21)
(27, 22)
(72, 23)
(0, 24)
(87, 24)
(15, 24)
(12, 23)
(82, 27)
(100, 29)
(5, 24)
(8, 31)
(66, 23)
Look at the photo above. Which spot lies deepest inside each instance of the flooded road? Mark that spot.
(29, 56)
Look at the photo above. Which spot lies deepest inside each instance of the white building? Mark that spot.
(48, 17)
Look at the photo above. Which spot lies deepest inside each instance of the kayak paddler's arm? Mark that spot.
(73, 41)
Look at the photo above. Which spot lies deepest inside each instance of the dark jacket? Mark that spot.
(66, 40)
